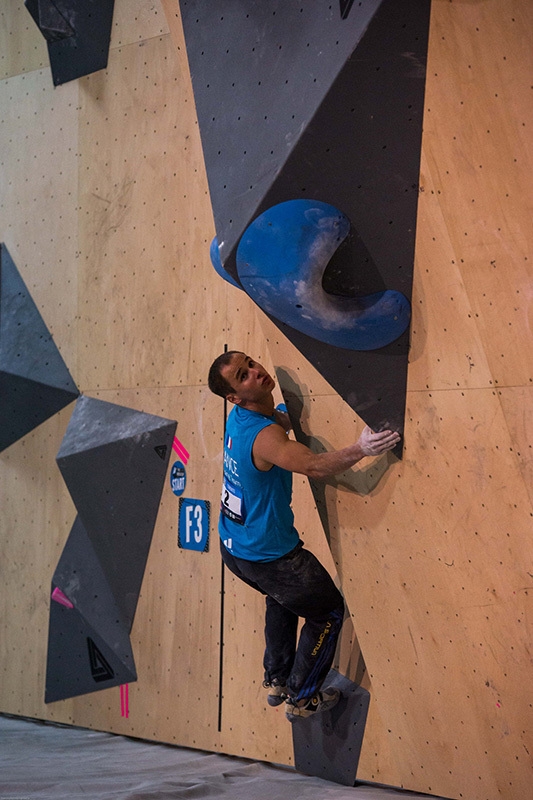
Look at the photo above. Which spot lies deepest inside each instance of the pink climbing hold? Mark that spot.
(59, 597)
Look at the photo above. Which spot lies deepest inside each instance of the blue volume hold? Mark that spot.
(217, 263)
(281, 260)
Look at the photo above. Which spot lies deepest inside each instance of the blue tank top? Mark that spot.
(256, 519)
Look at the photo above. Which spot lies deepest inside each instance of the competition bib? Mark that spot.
(231, 502)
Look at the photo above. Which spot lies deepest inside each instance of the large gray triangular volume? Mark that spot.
(114, 461)
(328, 108)
(79, 661)
(34, 380)
(115, 475)
(88, 640)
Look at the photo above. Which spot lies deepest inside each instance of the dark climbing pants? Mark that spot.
(296, 585)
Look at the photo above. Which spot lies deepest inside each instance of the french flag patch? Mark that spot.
(228, 442)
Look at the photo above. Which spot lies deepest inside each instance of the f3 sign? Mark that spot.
(193, 524)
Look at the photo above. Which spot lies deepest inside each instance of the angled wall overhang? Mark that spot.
(34, 380)
(312, 101)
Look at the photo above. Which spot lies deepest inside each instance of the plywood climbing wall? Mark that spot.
(105, 209)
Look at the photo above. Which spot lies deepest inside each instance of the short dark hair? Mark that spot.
(216, 382)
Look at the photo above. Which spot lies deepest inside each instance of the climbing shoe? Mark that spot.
(321, 701)
(277, 692)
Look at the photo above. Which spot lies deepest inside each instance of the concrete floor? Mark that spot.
(54, 762)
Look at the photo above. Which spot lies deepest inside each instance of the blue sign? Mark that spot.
(178, 478)
(193, 524)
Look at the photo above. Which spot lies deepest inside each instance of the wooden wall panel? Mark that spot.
(477, 146)
(22, 48)
(442, 605)
(446, 347)
(266, 730)
(516, 403)
(145, 229)
(137, 21)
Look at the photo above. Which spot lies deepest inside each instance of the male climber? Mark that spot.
(259, 542)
